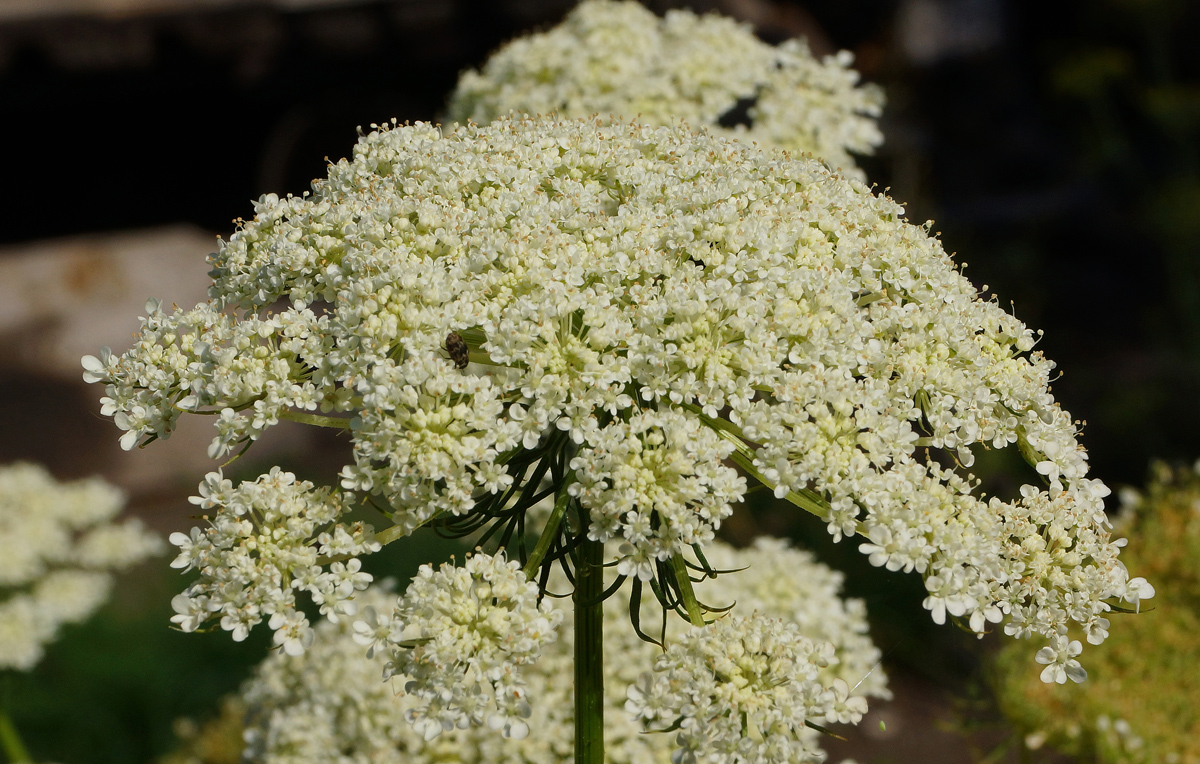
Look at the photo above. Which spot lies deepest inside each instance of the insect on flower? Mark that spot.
(456, 346)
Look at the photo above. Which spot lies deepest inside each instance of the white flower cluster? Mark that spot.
(330, 704)
(586, 273)
(618, 58)
(264, 545)
(777, 581)
(740, 691)
(58, 548)
(659, 483)
(463, 636)
(189, 358)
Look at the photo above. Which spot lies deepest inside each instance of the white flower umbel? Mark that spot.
(58, 549)
(660, 466)
(775, 580)
(463, 636)
(264, 544)
(618, 58)
(482, 308)
(330, 703)
(740, 691)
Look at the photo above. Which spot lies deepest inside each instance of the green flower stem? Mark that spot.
(867, 299)
(340, 423)
(550, 532)
(814, 504)
(388, 535)
(743, 456)
(1028, 452)
(805, 499)
(684, 581)
(720, 425)
(589, 653)
(473, 337)
(10, 741)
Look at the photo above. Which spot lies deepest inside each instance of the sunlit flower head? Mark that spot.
(618, 58)
(640, 307)
(463, 637)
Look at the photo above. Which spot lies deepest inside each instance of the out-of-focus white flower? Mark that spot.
(618, 58)
(59, 548)
(777, 581)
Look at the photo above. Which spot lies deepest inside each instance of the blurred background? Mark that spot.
(1056, 147)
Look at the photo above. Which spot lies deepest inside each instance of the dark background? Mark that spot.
(1054, 144)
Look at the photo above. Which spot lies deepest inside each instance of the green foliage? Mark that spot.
(217, 741)
(1141, 702)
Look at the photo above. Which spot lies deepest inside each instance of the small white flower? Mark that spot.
(1059, 657)
(1097, 631)
(190, 611)
(97, 369)
(1136, 590)
(292, 632)
(190, 544)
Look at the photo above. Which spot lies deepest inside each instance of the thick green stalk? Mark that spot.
(589, 653)
(10, 741)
